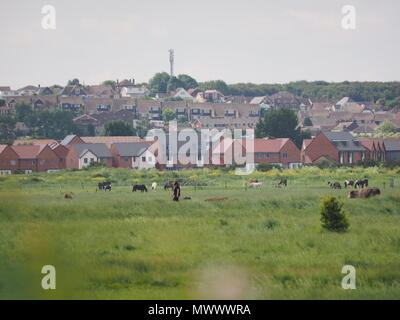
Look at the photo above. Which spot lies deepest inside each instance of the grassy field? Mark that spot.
(259, 244)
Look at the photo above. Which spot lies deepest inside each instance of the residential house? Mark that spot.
(8, 160)
(44, 91)
(135, 155)
(374, 148)
(392, 148)
(36, 158)
(81, 155)
(73, 90)
(72, 103)
(28, 91)
(285, 99)
(102, 91)
(226, 123)
(182, 93)
(338, 147)
(280, 151)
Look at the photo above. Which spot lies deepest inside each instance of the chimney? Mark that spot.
(39, 86)
(133, 81)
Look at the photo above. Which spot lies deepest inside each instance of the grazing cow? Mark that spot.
(105, 185)
(348, 183)
(255, 185)
(154, 186)
(168, 185)
(364, 193)
(67, 196)
(283, 182)
(253, 180)
(140, 187)
(335, 185)
(361, 183)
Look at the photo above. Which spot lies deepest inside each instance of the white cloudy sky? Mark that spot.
(261, 41)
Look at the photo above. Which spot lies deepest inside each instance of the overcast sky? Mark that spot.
(258, 41)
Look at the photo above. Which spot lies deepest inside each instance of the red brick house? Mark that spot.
(374, 148)
(36, 158)
(338, 147)
(8, 160)
(61, 152)
(280, 151)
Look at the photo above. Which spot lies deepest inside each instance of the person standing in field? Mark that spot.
(177, 191)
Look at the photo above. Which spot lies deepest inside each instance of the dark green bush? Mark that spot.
(367, 162)
(332, 217)
(267, 167)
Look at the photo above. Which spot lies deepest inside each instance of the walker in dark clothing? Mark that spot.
(177, 191)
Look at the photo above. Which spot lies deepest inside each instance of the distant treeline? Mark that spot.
(386, 93)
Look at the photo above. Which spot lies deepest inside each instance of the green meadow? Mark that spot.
(262, 243)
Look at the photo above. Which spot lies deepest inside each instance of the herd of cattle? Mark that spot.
(362, 186)
(106, 186)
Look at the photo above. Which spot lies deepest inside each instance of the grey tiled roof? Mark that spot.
(67, 139)
(131, 149)
(344, 141)
(392, 145)
(99, 149)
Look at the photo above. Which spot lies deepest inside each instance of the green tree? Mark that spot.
(173, 84)
(141, 128)
(219, 85)
(168, 115)
(159, 82)
(281, 123)
(74, 82)
(332, 217)
(22, 111)
(111, 83)
(187, 81)
(118, 128)
(7, 129)
(385, 129)
(51, 124)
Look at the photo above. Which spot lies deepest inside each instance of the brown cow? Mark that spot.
(67, 196)
(335, 185)
(364, 193)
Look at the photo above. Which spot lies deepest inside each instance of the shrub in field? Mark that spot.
(267, 167)
(332, 217)
(367, 162)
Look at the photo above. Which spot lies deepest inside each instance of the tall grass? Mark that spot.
(260, 243)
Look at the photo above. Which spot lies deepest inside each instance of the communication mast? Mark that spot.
(171, 61)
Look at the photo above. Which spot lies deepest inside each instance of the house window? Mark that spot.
(13, 162)
(284, 155)
(259, 155)
(33, 162)
(126, 159)
(85, 160)
(42, 162)
(143, 159)
(91, 160)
